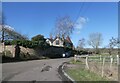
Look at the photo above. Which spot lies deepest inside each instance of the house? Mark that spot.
(60, 42)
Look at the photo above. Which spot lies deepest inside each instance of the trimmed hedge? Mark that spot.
(28, 43)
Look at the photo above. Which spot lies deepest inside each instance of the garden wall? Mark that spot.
(28, 52)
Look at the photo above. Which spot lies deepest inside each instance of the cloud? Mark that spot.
(81, 21)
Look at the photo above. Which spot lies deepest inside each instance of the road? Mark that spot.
(36, 70)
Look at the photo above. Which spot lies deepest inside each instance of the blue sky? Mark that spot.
(39, 18)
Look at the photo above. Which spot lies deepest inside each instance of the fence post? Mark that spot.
(117, 59)
(100, 58)
(111, 61)
(103, 67)
(87, 62)
(75, 58)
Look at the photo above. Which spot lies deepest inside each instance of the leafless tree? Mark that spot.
(113, 42)
(95, 40)
(6, 32)
(51, 35)
(81, 44)
(64, 26)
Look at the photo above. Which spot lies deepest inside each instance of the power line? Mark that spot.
(87, 7)
(82, 5)
(81, 11)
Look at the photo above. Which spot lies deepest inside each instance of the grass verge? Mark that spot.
(84, 75)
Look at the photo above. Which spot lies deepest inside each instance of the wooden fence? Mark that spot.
(99, 58)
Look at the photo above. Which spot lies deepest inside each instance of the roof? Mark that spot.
(57, 37)
(68, 39)
(50, 39)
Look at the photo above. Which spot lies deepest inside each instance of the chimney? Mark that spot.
(63, 37)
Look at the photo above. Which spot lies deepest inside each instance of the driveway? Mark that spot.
(36, 70)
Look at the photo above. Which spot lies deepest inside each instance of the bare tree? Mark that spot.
(9, 33)
(95, 40)
(64, 26)
(6, 32)
(51, 35)
(113, 42)
(81, 44)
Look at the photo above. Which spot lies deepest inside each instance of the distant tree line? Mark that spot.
(95, 40)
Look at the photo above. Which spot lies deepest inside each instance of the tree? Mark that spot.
(112, 43)
(81, 44)
(51, 35)
(2, 23)
(7, 32)
(95, 40)
(39, 41)
(64, 26)
(12, 34)
(38, 38)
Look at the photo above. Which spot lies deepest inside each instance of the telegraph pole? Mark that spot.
(2, 41)
(3, 32)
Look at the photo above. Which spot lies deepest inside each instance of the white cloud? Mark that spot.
(80, 23)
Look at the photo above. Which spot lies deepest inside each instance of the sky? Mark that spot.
(32, 18)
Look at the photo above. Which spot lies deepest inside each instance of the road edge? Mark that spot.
(64, 76)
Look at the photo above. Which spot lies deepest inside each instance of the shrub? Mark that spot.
(28, 44)
(7, 42)
(38, 38)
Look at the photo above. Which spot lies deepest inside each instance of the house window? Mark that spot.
(57, 42)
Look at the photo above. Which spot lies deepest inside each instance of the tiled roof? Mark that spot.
(68, 39)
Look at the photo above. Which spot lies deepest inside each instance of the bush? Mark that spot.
(82, 52)
(7, 42)
(28, 44)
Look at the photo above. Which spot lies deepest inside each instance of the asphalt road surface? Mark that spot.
(36, 70)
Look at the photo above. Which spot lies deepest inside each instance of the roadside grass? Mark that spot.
(81, 74)
(77, 62)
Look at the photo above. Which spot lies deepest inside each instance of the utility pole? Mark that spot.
(3, 32)
(2, 41)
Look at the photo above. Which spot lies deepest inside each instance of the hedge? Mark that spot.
(28, 43)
